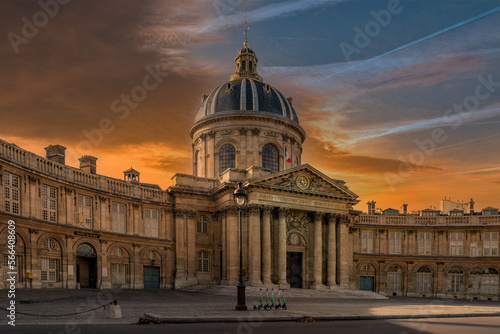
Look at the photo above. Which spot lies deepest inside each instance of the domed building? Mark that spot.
(247, 131)
(76, 228)
(256, 121)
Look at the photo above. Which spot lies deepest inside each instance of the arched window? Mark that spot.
(394, 279)
(456, 280)
(203, 262)
(227, 157)
(489, 282)
(297, 161)
(424, 279)
(270, 157)
(202, 224)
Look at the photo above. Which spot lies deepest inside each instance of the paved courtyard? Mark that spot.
(219, 301)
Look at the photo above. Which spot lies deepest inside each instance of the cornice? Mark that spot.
(238, 115)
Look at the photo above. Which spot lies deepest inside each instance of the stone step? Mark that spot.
(225, 290)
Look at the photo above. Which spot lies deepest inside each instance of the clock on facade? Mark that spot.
(302, 182)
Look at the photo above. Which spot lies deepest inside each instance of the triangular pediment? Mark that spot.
(306, 179)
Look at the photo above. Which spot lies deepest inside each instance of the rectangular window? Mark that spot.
(367, 241)
(456, 282)
(474, 250)
(119, 273)
(456, 243)
(11, 186)
(424, 282)
(394, 281)
(18, 265)
(395, 242)
(50, 270)
(151, 223)
(85, 211)
(424, 243)
(490, 244)
(119, 218)
(203, 262)
(49, 203)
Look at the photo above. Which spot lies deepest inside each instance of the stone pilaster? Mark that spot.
(180, 249)
(344, 264)
(191, 247)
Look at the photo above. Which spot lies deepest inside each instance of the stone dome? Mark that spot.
(246, 95)
(245, 92)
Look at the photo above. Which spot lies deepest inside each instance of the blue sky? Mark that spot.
(401, 119)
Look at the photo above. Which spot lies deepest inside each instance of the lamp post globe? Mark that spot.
(240, 198)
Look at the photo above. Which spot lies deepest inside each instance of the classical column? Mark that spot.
(180, 249)
(318, 251)
(232, 246)
(266, 246)
(344, 247)
(254, 246)
(282, 248)
(332, 251)
(191, 255)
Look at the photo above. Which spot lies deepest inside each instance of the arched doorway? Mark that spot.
(86, 266)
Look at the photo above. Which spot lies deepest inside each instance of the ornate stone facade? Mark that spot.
(77, 228)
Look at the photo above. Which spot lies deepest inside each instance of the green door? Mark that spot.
(151, 278)
(366, 283)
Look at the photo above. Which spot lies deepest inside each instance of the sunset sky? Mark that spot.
(399, 99)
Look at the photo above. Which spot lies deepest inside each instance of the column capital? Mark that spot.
(332, 218)
(267, 210)
(283, 212)
(318, 215)
(254, 208)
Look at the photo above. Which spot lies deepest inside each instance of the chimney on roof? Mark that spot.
(405, 209)
(56, 153)
(369, 208)
(471, 207)
(373, 207)
(88, 164)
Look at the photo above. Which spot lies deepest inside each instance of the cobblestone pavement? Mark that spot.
(219, 301)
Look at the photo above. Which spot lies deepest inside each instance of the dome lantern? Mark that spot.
(246, 65)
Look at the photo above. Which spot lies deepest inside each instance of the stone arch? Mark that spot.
(361, 266)
(144, 253)
(433, 267)
(390, 265)
(302, 242)
(111, 248)
(19, 233)
(93, 243)
(40, 242)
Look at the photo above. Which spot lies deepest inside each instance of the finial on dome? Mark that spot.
(246, 61)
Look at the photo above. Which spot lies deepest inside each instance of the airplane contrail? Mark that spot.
(477, 17)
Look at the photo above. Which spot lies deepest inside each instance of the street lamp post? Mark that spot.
(240, 201)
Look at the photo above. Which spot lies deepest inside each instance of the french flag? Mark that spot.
(287, 157)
